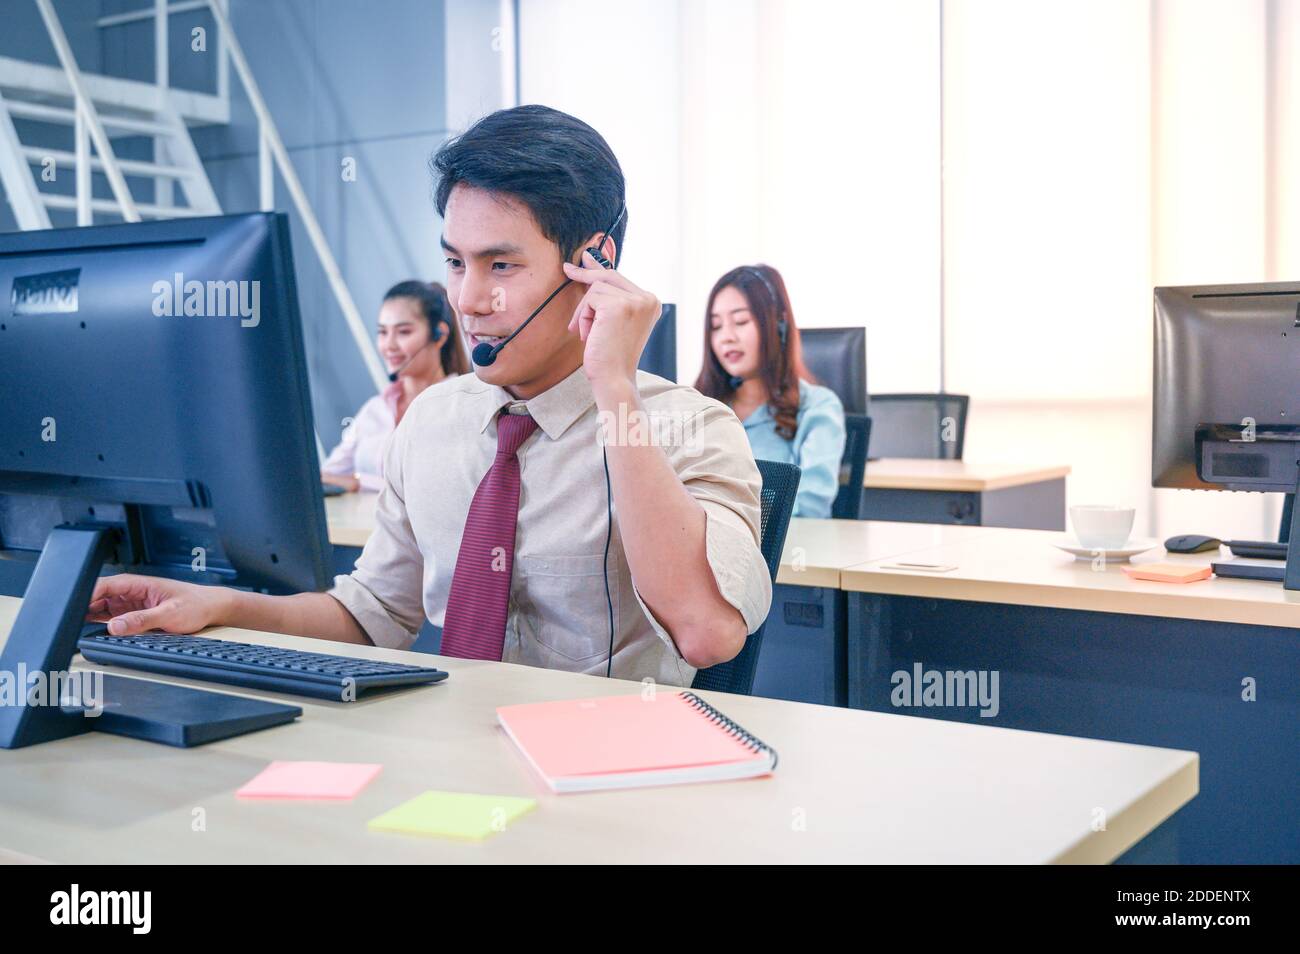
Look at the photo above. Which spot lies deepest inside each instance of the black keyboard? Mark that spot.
(321, 675)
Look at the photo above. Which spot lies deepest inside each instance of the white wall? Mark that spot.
(801, 135)
(1047, 287)
(1094, 150)
(849, 98)
(1283, 30)
(617, 68)
(1091, 150)
(1210, 212)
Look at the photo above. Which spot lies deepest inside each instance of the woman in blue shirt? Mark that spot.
(753, 363)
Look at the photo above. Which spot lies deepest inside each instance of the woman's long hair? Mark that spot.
(431, 299)
(780, 364)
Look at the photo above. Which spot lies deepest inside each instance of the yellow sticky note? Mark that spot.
(453, 815)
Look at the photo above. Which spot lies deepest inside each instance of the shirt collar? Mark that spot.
(759, 415)
(555, 409)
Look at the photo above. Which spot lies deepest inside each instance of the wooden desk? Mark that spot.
(1212, 666)
(1022, 568)
(351, 518)
(804, 655)
(851, 786)
(816, 551)
(985, 493)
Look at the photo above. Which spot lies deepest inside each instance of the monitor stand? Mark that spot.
(1286, 572)
(44, 640)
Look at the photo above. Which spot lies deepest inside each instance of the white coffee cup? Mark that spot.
(1101, 527)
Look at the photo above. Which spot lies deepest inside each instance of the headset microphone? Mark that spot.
(484, 354)
(397, 372)
(735, 381)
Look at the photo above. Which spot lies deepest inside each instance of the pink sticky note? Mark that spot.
(310, 780)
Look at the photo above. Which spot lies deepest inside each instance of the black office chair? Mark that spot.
(659, 356)
(837, 358)
(853, 467)
(930, 426)
(780, 483)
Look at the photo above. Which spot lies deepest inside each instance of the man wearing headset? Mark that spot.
(557, 508)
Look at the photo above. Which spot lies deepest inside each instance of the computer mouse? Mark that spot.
(1192, 543)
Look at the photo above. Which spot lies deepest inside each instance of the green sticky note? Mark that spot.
(453, 815)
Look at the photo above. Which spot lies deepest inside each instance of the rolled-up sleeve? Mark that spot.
(715, 464)
(384, 592)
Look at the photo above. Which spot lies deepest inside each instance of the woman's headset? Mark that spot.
(436, 334)
(782, 326)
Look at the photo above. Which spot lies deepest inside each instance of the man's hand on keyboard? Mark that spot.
(133, 604)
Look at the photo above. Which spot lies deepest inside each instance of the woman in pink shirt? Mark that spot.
(421, 342)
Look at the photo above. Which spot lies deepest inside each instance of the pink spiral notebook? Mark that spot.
(583, 745)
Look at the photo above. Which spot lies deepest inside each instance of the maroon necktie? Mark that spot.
(475, 623)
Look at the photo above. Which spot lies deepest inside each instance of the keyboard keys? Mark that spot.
(249, 665)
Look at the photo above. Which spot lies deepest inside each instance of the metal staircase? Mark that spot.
(98, 113)
(140, 117)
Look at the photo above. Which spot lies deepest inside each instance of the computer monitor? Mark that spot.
(1226, 409)
(837, 357)
(660, 353)
(156, 418)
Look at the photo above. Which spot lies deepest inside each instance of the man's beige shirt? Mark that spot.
(558, 615)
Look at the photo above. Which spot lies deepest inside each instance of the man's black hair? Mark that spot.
(555, 164)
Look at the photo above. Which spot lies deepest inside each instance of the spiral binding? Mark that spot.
(734, 729)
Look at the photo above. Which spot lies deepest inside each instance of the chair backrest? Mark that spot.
(659, 356)
(837, 357)
(780, 482)
(853, 467)
(931, 426)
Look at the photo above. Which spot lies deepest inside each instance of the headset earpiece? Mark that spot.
(600, 259)
(782, 326)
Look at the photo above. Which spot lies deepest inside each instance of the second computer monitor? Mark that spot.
(1226, 408)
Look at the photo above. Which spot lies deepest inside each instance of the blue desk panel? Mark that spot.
(1140, 679)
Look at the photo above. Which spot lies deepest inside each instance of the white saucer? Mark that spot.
(1131, 548)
